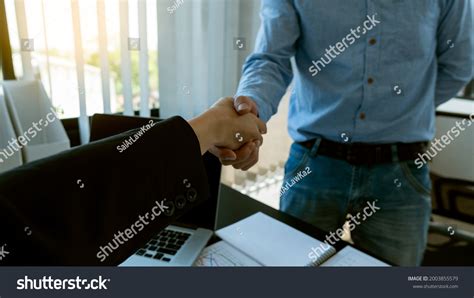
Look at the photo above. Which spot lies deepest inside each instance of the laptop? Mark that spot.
(181, 243)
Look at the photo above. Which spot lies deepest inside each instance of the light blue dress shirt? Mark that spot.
(368, 71)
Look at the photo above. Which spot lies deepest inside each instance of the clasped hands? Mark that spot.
(231, 130)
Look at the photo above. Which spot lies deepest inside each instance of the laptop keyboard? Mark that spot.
(164, 245)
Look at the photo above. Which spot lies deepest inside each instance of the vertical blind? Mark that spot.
(196, 52)
(138, 43)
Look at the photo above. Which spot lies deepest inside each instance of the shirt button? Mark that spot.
(372, 41)
(362, 116)
(370, 81)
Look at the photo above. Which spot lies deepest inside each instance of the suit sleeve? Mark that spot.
(97, 204)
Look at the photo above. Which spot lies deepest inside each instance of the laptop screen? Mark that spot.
(203, 215)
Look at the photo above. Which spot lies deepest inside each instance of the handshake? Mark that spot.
(231, 131)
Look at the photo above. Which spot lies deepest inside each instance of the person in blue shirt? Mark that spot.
(367, 78)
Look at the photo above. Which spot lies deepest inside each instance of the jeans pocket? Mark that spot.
(298, 158)
(419, 179)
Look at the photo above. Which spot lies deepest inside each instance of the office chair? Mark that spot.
(27, 103)
(454, 199)
(9, 159)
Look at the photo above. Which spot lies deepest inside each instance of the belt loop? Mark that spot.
(314, 149)
(394, 150)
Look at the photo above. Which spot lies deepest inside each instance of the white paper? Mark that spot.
(221, 254)
(351, 257)
(269, 241)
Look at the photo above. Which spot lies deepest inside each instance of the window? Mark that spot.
(46, 45)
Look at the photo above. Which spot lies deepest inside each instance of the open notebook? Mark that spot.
(260, 240)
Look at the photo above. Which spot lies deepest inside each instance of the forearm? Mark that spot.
(267, 72)
(202, 128)
(265, 81)
(71, 224)
(445, 90)
(455, 49)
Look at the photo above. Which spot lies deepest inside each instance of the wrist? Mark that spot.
(202, 126)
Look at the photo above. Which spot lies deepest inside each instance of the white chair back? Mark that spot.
(33, 118)
(9, 157)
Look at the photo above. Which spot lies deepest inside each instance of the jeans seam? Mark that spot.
(413, 181)
(303, 160)
(351, 188)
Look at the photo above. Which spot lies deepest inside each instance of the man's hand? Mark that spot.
(247, 156)
(221, 126)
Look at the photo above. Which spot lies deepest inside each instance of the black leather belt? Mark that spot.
(368, 154)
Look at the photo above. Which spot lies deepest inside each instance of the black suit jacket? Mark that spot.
(62, 210)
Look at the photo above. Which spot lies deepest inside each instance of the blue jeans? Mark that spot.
(395, 231)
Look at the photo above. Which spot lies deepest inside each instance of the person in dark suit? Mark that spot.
(62, 209)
